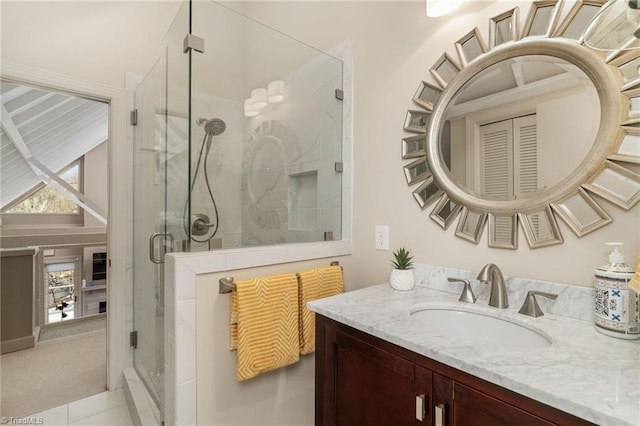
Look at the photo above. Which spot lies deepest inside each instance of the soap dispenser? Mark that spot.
(617, 309)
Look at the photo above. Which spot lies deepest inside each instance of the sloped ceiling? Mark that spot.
(53, 128)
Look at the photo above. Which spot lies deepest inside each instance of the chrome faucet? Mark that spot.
(490, 273)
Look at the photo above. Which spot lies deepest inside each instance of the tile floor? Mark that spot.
(103, 409)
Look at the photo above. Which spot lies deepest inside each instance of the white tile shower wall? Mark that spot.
(306, 125)
(573, 301)
(311, 144)
(224, 166)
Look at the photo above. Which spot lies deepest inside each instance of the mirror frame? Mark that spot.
(614, 95)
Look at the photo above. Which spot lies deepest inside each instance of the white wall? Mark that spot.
(96, 181)
(558, 139)
(93, 40)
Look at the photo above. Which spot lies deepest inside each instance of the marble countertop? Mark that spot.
(583, 372)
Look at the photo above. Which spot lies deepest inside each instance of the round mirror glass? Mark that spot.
(519, 128)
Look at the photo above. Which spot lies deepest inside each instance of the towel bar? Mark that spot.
(227, 285)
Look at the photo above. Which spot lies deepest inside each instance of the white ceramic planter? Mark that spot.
(402, 279)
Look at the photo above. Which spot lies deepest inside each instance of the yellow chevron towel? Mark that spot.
(634, 284)
(315, 284)
(264, 314)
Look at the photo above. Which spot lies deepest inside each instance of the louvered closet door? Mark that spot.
(509, 157)
(509, 165)
(496, 167)
(526, 159)
(525, 135)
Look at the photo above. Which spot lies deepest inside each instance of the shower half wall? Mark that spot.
(215, 170)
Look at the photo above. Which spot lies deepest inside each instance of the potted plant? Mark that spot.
(402, 274)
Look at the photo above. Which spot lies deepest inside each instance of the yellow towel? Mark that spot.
(233, 328)
(315, 284)
(634, 284)
(266, 310)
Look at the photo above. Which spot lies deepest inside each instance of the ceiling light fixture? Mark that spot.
(249, 110)
(259, 98)
(437, 8)
(275, 91)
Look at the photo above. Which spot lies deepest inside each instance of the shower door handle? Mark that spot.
(152, 246)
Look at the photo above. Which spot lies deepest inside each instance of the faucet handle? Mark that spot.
(530, 306)
(467, 294)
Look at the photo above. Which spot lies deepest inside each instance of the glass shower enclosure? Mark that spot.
(237, 143)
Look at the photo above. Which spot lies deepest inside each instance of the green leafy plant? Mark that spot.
(403, 259)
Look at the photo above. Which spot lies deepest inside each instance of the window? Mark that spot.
(48, 199)
(46, 205)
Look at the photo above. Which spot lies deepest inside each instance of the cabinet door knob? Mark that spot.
(420, 408)
(440, 415)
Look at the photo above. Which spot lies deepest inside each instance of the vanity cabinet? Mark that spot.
(363, 380)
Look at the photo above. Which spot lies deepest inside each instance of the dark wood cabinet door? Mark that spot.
(471, 407)
(373, 387)
(442, 407)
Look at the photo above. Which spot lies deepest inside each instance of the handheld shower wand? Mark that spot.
(201, 225)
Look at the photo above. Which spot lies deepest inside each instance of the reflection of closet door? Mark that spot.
(525, 154)
(496, 160)
(509, 158)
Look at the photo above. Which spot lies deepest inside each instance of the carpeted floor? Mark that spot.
(53, 373)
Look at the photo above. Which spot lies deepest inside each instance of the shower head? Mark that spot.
(214, 127)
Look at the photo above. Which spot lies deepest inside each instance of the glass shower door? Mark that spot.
(150, 239)
(161, 197)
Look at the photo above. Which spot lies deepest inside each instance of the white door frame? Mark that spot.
(120, 186)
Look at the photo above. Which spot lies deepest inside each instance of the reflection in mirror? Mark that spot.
(508, 124)
(427, 95)
(615, 183)
(541, 18)
(630, 147)
(470, 46)
(634, 106)
(417, 171)
(427, 193)
(445, 212)
(504, 28)
(416, 121)
(581, 213)
(578, 18)
(471, 225)
(444, 70)
(503, 231)
(540, 228)
(630, 69)
(414, 146)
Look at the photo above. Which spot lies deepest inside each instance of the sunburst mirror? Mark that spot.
(532, 127)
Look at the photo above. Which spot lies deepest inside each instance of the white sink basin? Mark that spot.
(477, 329)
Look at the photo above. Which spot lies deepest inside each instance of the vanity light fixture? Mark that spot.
(615, 27)
(275, 91)
(437, 8)
(249, 109)
(259, 98)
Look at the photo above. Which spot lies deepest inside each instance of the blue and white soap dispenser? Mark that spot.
(617, 309)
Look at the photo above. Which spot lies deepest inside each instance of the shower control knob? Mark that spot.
(200, 224)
